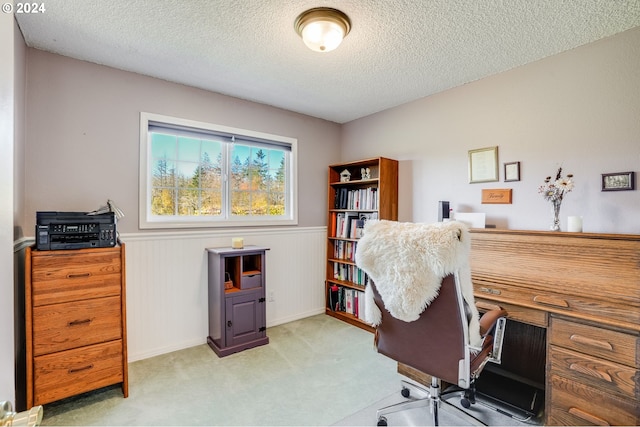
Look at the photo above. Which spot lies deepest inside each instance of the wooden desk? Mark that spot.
(585, 289)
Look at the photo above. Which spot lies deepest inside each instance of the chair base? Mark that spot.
(431, 398)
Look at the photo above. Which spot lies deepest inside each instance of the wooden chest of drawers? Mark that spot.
(75, 322)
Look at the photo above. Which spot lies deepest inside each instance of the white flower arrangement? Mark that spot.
(554, 190)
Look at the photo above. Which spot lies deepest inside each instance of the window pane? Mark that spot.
(240, 203)
(211, 203)
(257, 172)
(189, 149)
(163, 201)
(164, 172)
(163, 146)
(188, 202)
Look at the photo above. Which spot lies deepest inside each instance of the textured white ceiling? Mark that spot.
(397, 51)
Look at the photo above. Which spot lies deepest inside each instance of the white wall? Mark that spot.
(7, 116)
(579, 109)
(167, 283)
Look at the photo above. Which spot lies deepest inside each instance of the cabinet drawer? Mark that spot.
(607, 376)
(595, 341)
(74, 324)
(578, 404)
(72, 372)
(557, 301)
(61, 277)
(251, 280)
(515, 312)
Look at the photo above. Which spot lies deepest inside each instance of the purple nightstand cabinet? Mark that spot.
(237, 303)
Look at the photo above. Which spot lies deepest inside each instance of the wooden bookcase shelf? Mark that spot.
(370, 193)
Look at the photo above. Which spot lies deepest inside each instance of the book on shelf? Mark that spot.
(349, 225)
(357, 199)
(349, 273)
(344, 250)
(346, 300)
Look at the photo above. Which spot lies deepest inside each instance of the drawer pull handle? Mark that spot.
(588, 417)
(604, 345)
(591, 372)
(481, 305)
(79, 322)
(547, 300)
(490, 291)
(84, 368)
(78, 275)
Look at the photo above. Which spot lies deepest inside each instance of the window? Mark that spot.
(195, 174)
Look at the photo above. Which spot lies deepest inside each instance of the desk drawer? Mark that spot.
(72, 372)
(514, 312)
(608, 377)
(595, 341)
(560, 302)
(69, 325)
(578, 404)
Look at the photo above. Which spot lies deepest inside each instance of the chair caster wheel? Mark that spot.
(382, 421)
(405, 392)
(465, 403)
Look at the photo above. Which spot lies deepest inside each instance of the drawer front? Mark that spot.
(557, 302)
(74, 324)
(606, 376)
(514, 312)
(577, 404)
(595, 341)
(73, 277)
(72, 372)
(250, 281)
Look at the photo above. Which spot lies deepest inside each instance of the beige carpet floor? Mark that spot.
(314, 371)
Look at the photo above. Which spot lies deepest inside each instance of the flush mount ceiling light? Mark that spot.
(322, 28)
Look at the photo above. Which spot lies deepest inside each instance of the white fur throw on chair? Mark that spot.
(407, 262)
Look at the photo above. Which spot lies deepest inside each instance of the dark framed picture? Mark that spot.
(618, 181)
(512, 171)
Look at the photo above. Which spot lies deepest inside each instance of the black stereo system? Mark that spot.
(74, 230)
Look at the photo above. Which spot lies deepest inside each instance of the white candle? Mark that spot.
(237, 242)
(574, 224)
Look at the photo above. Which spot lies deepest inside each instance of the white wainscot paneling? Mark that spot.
(167, 306)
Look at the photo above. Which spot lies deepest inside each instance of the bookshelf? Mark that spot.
(369, 195)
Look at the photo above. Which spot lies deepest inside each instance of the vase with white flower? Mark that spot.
(554, 190)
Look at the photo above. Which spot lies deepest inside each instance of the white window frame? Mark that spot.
(148, 221)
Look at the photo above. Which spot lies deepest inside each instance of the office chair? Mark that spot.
(438, 345)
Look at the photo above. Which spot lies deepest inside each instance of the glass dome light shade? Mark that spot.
(322, 29)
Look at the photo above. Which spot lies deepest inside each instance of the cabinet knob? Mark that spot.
(229, 323)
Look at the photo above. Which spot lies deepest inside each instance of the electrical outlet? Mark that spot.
(272, 296)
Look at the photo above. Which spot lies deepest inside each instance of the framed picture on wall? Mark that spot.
(483, 165)
(618, 181)
(512, 171)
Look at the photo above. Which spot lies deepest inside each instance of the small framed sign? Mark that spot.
(618, 181)
(512, 171)
(500, 196)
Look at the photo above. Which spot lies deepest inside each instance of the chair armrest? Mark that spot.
(489, 319)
